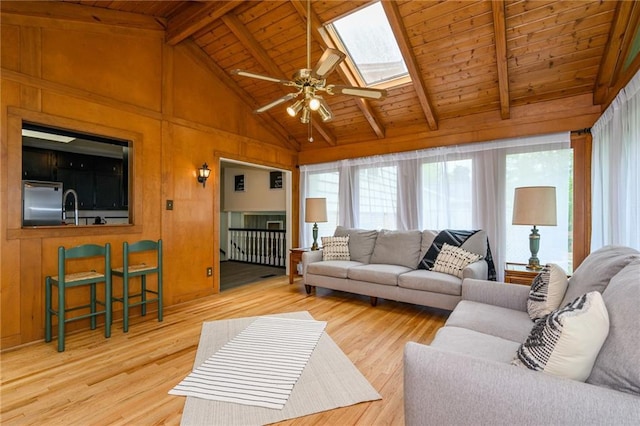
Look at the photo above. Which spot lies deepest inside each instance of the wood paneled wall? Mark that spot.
(120, 80)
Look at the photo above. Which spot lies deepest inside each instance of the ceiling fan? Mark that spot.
(310, 82)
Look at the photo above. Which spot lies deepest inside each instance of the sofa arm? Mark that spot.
(511, 296)
(443, 388)
(310, 257)
(478, 270)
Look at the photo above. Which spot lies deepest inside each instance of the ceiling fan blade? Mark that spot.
(363, 92)
(329, 60)
(259, 76)
(277, 102)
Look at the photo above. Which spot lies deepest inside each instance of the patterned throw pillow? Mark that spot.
(335, 248)
(566, 342)
(452, 260)
(547, 291)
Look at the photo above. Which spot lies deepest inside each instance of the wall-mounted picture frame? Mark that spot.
(238, 184)
(275, 180)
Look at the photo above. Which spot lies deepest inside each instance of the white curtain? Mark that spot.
(459, 187)
(615, 179)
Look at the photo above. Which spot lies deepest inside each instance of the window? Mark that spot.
(447, 194)
(373, 52)
(325, 185)
(377, 195)
(543, 168)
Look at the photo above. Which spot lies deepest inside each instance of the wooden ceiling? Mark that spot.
(464, 57)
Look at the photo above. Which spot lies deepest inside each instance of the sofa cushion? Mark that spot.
(566, 342)
(474, 241)
(595, 272)
(618, 363)
(452, 260)
(377, 273)
(332, 268)
(495, 320)
(472, 343)
(477, 243)
(547, 291)
(361, 242)
(335, 248)
(397, 248)
(427, 239)
(436, 282)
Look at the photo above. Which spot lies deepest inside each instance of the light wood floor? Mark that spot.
(124, 380)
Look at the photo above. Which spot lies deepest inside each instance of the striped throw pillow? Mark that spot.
(335, 248)
(547, 291)
(452, 260)
(567, 342)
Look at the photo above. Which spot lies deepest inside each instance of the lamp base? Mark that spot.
(314, 246)
(534, 266)
(534, 246)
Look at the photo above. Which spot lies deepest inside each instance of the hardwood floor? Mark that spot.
(124, 380)
(234, 274)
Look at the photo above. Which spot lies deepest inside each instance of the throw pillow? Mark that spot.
(335, 248)
(547, 291)
(452, 260)
(566, 342)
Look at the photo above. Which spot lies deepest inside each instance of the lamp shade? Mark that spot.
(535, 205)
(315, 210)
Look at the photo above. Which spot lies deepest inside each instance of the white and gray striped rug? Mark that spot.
(329, 381)
(259, 366)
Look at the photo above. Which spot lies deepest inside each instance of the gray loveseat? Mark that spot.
(465, 375)
(384, 264)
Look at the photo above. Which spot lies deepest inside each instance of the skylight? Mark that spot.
(369, 41)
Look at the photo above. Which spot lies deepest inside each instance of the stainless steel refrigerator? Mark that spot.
(41, 203)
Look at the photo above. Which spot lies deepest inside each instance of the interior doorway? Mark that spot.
(255, 222)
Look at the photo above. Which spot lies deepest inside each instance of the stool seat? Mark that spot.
(79, 276)
(135, 268)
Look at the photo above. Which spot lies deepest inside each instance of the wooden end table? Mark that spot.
(295, 257)
(517, 273)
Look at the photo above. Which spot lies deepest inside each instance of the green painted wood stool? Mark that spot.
(64, 281)
(141, 270)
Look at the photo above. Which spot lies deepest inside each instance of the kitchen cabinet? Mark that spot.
(82, 181)
(37, 165)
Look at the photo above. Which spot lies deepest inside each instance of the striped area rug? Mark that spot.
(258, 367)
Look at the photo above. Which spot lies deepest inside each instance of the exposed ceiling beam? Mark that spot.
(622, 32)
(393, 13)
(260, 55)
(342, 70)
(500, 30)
(194, 17)
(275, 126)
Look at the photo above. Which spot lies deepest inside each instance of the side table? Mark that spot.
(517, 273)
(295, 257)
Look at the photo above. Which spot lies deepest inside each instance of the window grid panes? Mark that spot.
(377, 195)
(326, 185)
(544, 168)
(447, 194)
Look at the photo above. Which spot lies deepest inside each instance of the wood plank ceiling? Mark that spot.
(464, 57)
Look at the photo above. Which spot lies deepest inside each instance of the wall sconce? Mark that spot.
(203, 174)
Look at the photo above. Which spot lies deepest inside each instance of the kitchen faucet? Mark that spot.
(75, 205)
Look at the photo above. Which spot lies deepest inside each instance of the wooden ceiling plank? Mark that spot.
(342, 70)
(273, 125)
(613, 51)
(195, 17)
(393, 14)
(500, 28)
(249, 42)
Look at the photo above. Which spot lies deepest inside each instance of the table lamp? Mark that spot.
(315, 211)
(536, 206)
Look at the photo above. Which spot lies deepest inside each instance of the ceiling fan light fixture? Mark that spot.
(314, 103)
(306, 115)
(324, 111)
(294, 109)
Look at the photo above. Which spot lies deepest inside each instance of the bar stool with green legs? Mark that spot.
(63, 281)
(128, 271)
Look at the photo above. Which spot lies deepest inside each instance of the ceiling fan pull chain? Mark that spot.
(310, 130)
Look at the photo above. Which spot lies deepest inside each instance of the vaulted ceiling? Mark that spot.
(464, 57)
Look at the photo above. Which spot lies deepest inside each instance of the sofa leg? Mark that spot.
(374, 301)
(307, 288)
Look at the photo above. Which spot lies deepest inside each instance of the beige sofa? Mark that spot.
(384, 265)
